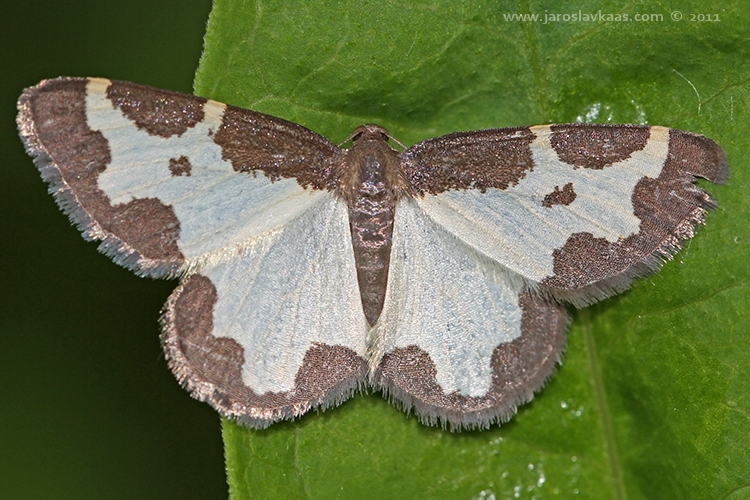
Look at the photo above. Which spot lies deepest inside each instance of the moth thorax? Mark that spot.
(372, 169)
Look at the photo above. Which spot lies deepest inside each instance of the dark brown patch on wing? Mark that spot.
(189, 335)
(597, 146)
(180, 166)
(520, 368)
(587, 269)
(141, 234)
(211, 367)
(280, 149)
(564, 196)
(493, 158)
(158, 112)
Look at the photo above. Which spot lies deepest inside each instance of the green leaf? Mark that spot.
(653, 399)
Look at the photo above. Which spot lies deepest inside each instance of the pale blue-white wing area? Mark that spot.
(460, 339)
(169, 181)
(277, 330)
(268, 322)
(578, 211)
(503, 225)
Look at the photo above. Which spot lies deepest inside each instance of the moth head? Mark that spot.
(371, 132)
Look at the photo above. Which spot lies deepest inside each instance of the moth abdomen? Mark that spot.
(373, 186)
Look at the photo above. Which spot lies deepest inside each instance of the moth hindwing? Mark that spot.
(436, 274)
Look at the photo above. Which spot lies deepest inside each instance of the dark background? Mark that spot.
(88, 407)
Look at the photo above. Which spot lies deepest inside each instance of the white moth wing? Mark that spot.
(267, 321)
(288, 310)
(438, 284)
(451, 315)
(580, 210)
(167, 181)
(503, 225)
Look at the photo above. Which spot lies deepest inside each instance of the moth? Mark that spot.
(437, 275)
